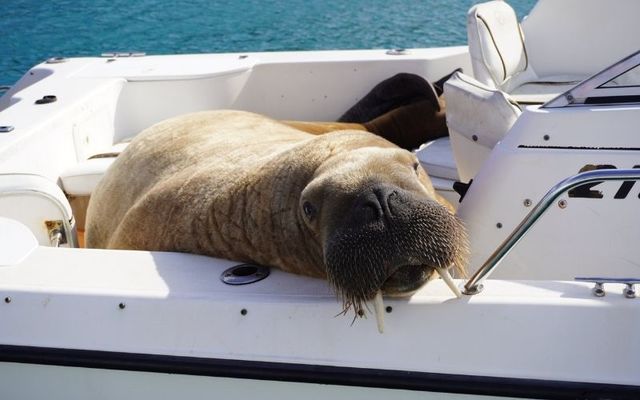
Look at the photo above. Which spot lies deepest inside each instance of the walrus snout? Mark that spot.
(373, 205)
(391, 240)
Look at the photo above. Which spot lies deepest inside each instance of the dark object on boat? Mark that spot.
(404, 109)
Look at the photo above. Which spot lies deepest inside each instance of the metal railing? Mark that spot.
(474, 284)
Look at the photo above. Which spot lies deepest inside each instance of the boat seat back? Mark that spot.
(39, 204)
(580, 37)
(478, 117)
(496, 44)
(559, 44)
(82, 178)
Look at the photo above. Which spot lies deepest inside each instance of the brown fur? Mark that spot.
(232, 184)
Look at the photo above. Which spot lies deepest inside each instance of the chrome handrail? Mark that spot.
(474, 284)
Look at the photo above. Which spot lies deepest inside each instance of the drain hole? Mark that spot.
(244, 270)
(244, 274)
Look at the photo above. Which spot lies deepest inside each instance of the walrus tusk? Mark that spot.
(444, 274)
(378, 306)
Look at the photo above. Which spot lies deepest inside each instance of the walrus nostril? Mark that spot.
(373, 205)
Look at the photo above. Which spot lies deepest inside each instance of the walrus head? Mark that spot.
(381, 226)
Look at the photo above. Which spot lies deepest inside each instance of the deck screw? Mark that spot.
(243, 311)
(389, 309)
(499, 225)
(474, 137)
(562, 204)
(122, 306)
(546, 137)
(527, 202)
(7, 299)
(598, 290)
(629, 292)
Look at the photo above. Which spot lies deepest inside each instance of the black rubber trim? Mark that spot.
(327, 375)
(525, 146)
(612, 99)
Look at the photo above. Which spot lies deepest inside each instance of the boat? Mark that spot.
(546, 163)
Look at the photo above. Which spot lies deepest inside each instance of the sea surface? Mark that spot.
(34, 30)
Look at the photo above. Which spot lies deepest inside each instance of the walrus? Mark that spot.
(405, 109)
(347, 206)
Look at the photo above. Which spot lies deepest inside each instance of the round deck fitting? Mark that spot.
(472, 290)
(397, 52)
(47, 99)
(56, 60)
(244, 274)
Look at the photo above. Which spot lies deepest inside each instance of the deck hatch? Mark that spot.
(244, 274)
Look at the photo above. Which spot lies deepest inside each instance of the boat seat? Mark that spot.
(82, 178)
(478, 117)
(518, 58)
(436, 157)
(39, 204)
(79, 181)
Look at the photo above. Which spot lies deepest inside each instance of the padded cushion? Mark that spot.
(82, 178)
(580, 37)
(478, 117)
(478, 112)
(540, 92)
(437, 159)
(496, 43)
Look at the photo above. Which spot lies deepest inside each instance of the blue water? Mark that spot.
(34, 30)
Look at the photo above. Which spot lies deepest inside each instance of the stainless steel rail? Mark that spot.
(474, 284)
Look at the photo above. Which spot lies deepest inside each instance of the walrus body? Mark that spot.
(347, 206)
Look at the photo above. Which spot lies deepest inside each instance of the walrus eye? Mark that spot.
(309, 210)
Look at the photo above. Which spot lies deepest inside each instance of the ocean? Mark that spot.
(34, 30)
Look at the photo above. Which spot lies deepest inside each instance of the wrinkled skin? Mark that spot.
(377, 216)
(347, 206)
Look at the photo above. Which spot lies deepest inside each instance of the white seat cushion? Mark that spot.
(496, 45)
(82, 178)
(579, 37)
(437, 159)
(478, 117)
(540, 92)
(478, 112)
